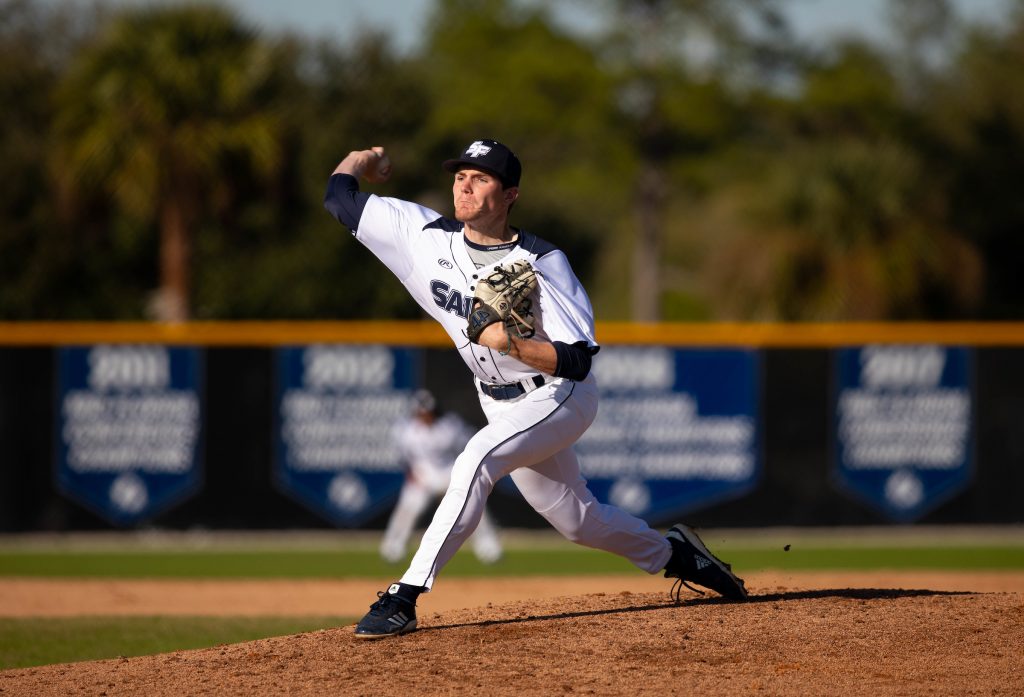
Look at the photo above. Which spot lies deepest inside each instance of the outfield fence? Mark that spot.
(268, 425)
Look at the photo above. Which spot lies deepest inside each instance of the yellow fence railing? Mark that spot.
(428, 333)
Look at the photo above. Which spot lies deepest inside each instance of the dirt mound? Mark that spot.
(781, 642)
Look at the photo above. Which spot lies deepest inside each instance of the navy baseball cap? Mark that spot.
(491, 156)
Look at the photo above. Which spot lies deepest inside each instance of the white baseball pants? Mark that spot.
(531, 438)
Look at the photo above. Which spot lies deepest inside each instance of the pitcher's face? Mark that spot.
(479, 196)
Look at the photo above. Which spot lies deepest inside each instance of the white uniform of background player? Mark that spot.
(429, 442)
(538, 394)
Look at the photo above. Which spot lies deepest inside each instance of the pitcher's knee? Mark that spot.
(574, 535)
(569, 518)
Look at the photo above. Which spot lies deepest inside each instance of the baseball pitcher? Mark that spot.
(524, 326)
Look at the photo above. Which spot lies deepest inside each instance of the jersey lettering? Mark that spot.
(439, 289)
(448, 299)
(454, 303)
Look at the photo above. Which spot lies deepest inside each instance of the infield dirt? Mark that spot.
(848, 634)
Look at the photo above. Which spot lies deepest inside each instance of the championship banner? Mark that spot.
(335, 408)
(129, 426)
(676, 429)
(902, 426)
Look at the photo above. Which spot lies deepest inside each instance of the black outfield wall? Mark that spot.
(796, 487)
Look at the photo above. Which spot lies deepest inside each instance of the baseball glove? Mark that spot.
(501, 296)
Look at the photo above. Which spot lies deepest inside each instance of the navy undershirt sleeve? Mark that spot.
(344, 200)
(573, 360)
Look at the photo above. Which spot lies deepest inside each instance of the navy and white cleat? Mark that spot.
(691, 561)
(389, 616)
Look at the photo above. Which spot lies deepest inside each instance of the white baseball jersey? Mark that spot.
(427, 252)
(529, 436)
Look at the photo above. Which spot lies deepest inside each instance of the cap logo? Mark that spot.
(477, 148)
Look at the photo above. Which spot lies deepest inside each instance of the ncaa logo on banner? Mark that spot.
(129, 423)
(335, 408)
(676, 429)
(902, 426)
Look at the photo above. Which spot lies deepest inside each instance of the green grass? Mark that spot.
(37, 641)
(41, 641)
(290, 564)
(517, 562)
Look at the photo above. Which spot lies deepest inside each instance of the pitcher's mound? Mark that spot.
(798, 642)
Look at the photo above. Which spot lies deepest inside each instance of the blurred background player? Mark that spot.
(428, 442)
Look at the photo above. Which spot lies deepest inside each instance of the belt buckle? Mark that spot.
(514, 389)
(502, 392)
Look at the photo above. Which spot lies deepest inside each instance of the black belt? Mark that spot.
(513, 390)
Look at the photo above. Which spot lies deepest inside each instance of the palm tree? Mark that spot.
(156, 112)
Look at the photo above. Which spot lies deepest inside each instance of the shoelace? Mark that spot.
(677, 589)
(383, 600)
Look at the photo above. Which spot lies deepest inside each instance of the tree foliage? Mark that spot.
(165, 113)
(693, 159)
(975, 118)
(37, 258)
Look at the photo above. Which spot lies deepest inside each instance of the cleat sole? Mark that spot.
(411, 627)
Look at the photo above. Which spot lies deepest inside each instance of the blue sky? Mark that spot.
(403, 19)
